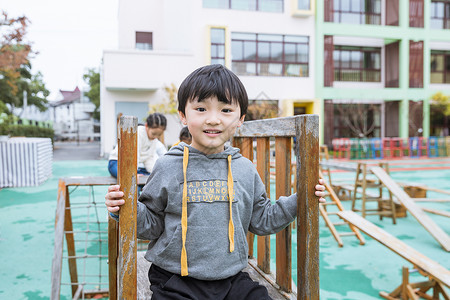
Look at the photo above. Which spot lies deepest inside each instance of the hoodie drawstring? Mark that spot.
(230, 199)
(184, 266)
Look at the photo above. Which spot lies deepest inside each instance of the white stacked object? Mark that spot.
(25, 161)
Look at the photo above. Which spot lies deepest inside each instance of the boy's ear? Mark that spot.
(241, 121)
(182, 118)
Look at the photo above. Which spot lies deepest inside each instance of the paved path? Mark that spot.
(76, 151)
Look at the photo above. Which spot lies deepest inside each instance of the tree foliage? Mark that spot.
(15, 67)
(170, 103)
(442, 101)
(92, 78)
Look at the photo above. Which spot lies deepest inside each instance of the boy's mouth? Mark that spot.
(212, 131)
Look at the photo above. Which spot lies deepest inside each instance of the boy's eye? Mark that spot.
(200, 109)
(226, 110)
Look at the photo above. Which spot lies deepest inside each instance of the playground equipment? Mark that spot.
(390, 147)
(332, 226)
(438, 276)
(127, 271)
(402, 197)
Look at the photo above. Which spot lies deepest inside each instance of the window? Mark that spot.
(253, 5)
(440, 67)
(357, 11)
(357, 64)
(144, 40)
(217, 46)
(270, 54)
(303, 5)
(440, 14)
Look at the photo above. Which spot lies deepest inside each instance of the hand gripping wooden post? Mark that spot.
(307, 133)
(127, 179)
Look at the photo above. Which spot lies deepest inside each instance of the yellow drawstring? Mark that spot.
(230, 199)
(184, 267)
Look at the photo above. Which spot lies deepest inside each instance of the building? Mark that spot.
(72, 116)
(381, 60)
(367, 67)
(269, 44)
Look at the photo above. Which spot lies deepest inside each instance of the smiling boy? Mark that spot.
(202, 199)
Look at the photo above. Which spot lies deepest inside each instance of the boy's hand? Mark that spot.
(320, 188)
(113, 199)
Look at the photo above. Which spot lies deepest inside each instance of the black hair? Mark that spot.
(156, 120)
(184, 133)
(209, 81)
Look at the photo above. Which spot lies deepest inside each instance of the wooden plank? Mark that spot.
(307, 152)
(113, 230)
(263, 167)
(437, 212)
(432, 268)
(71, 252)
(246, 146)
(268, 128)
(283, 188)
(413, 208)
(59, 241)
(127, 178)
(92, 181)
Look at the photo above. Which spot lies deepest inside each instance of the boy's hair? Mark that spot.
(184, 133)
(209, 81)
(156, 120)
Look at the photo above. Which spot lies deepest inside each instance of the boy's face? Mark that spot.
(211, 123)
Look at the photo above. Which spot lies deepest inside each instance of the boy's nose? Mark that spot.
(213, 119)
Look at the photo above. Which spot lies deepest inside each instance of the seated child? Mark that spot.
(202, 199)
(149, 147)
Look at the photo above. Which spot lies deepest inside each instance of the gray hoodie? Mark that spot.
(211, 242)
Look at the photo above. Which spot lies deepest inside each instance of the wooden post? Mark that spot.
(59, 241)
(263, 167)
(127, 179)
(307, 133)
(112, 258)
(283, 187)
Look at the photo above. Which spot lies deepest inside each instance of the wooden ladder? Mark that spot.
(332, 226)
(386, 206)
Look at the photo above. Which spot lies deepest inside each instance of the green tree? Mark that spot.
(440, 114)
(170, 103)
(15, 67)
(92, 78)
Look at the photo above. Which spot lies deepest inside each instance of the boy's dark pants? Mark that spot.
(166, 285)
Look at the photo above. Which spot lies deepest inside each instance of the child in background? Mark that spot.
(185, 136)
(202, 199)
(149, 147)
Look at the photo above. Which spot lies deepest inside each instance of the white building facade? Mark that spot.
(72, 117)
(269, 44)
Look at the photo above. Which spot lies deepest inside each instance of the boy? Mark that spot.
(201, 199)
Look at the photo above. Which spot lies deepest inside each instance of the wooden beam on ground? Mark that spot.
(437, 212)
(413, 208)
(420, 261)
(71, 252)
(307, 152)
(127, 179)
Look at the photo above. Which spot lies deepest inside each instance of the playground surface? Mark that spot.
(27, 219)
